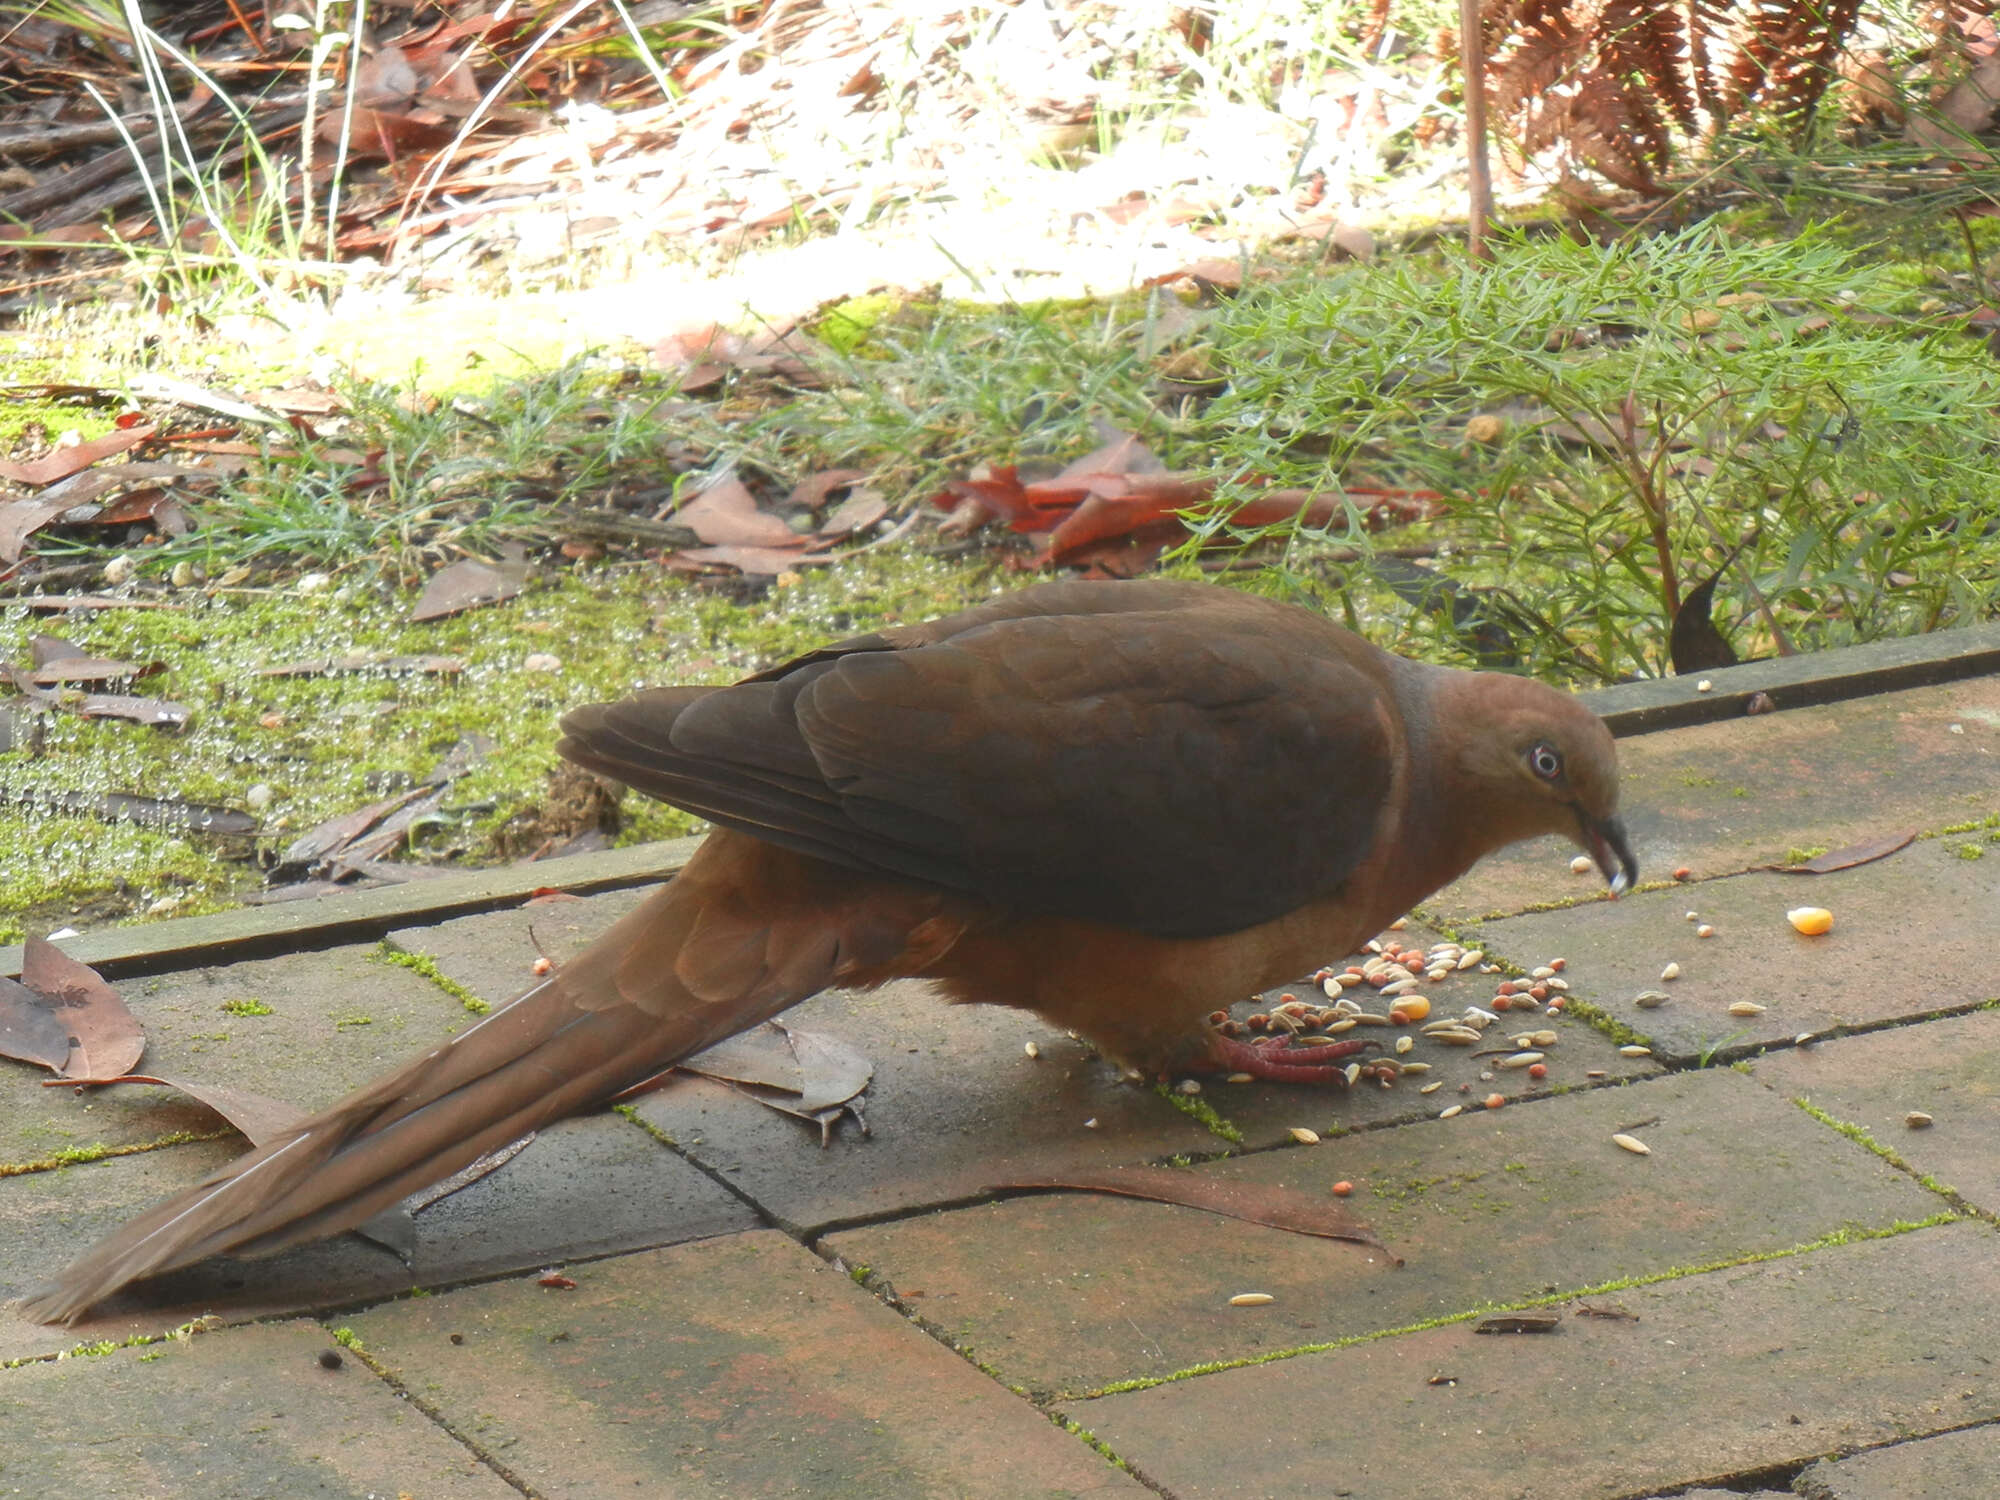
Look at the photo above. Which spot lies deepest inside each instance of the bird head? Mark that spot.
(1533, 761)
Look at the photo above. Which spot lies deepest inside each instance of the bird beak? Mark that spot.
(1607, 844)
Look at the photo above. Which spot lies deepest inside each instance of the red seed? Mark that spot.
(1559, 1003)
(1683, 873)
(1501, 1002)
(1217, 1017)
(1342, 1189)
(1259, 1021)
(1538, 1070)
(1494, 1101)
(1399, 1018)
(1559, 964)
(1504, 987)
(1539, 991)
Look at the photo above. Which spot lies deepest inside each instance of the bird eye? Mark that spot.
(1545, 761)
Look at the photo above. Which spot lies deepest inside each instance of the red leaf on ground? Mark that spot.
(105, 1039)
(63, 462)
(811, 492)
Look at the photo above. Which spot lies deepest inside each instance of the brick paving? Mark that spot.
(1807, 1282)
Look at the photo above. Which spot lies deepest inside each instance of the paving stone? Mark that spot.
(1726, 796)
(956, 1105)
(1070, 1292)
(245, 1414)
(493, 954)
(594, 1185)
(1912, 935)
(1951, 1466)
(301, 1053)
(739, 1366)
(1726, 1372)
(1949, 1068)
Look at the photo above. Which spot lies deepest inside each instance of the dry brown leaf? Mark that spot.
(29, 1030)
(465, 585)
(1269, 1204)
(105, 1038)
(60, 463)
(1854, 854)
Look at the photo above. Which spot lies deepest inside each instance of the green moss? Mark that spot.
(324, 746)
(1861, 1136)
(245, 1008)
(347, 1339)
(1195, 1107)
(1970, 851)
(1799, 856)
(343, 1023)
(427, 966)
(71, 1156)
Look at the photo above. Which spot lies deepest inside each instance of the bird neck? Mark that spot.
(1451, 817)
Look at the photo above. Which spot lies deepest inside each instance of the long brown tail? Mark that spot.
(741, 934)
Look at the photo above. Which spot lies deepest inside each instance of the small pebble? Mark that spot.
(1916, 1119)
(1304, 1136)
(258, 797)
(329, 1359)
(309, 583)
(1671, 971)
(1633, 1144)
(182, 575)
(119, 570)
(541, 661)
(1252, 1299)
(1704, 686)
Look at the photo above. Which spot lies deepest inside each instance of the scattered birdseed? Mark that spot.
(1091, 1123)
(1450, 1110)
(1304, 1136)
(1683, 873)
(1580, 865)
(1252, 1299)
(1704, 686)
(1704, 931)
(1810, 920)
(1651, 999)
(1342, 1189)
(1494, 1101)
(1635, 1051)
(1671, 971)
(1633, 1144)
(1520, 1060)
(1916, 1119)
(1033, 1050)
(1745, 1008)
(1189, 1086)
(1241, 1078)
(1432, 1087)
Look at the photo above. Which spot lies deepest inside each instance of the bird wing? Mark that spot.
(1171, 759)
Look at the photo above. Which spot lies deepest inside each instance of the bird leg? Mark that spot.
(1282, 1060)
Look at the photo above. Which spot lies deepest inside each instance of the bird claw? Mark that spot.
(1281, 1060)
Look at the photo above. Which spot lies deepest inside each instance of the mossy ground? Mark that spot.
(325, 745)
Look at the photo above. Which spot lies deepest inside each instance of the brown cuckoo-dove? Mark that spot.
(1119, 805)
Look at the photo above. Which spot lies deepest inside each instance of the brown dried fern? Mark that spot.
(1606, 81)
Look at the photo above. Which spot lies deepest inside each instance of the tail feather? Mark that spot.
(617, 1014)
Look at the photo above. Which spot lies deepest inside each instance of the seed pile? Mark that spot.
(1386, 989)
